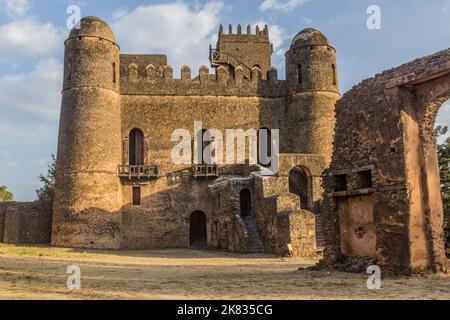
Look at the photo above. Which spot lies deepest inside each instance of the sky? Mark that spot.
(32, 34)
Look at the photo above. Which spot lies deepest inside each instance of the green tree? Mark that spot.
(444, 168)
(47, 191)
(5, 195)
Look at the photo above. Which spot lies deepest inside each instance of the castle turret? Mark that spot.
(312, 75)
(88, 190)
(245, 50)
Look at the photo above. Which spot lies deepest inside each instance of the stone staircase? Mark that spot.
(218, 58)
(255, 244)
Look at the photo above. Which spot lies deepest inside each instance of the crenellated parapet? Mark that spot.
(159, 80)
(232, 35)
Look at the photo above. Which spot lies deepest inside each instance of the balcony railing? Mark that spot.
(206, 171)
(138, 172)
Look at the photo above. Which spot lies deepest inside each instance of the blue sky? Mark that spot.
(31, 52)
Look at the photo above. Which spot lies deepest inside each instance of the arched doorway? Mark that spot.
(442, 127)
(300, 183)
(246, 203)
(198, 236)
(136, 152)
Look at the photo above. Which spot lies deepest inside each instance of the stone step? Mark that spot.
(254, 238)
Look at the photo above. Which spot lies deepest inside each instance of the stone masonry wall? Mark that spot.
(380, 132)
(3, 207)
(26, 223)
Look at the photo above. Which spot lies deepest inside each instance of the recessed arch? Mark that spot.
(334, 74)
(198, 230)
(136, 147)
(300, 183)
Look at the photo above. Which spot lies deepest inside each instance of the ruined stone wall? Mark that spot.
(26, 223)
(298, 230)
(379, 135)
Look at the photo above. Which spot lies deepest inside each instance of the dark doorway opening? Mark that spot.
(246, 203)
(198, 230)
(136, 156)
(136, 196)
(300, 183)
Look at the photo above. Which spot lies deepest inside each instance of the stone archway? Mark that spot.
(198, 230)
(422, 171)
(300, 183)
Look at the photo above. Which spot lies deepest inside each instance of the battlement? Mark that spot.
(151, 80)
(258, 36)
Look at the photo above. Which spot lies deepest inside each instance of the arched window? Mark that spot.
(198, 234)
(246, 203)
(300, 74)
(333, 74)
(300, 183)
(114, 72)
(267, 134)
(136, 155)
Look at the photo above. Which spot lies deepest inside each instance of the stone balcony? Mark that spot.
(138, 172)
(205, 171)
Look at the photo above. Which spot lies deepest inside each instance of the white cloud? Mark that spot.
(281, 5)
(27, 38)
(181, 31)
(278, 36)
(32, 96)
(446, 7)
(15, 8)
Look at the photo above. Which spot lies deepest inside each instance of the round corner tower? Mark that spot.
(88, 189)
(311, 72)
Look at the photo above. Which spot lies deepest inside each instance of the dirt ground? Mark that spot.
(40, 273)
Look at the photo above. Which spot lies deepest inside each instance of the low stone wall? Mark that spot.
(2, 220)
(297, 229)
(25, 223)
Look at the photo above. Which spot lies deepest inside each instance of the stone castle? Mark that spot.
(357, 176)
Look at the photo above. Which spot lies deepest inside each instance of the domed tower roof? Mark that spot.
(309, 37)
(93, 27)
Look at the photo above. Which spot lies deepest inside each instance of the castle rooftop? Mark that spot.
(309, 37)
(93, 27)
